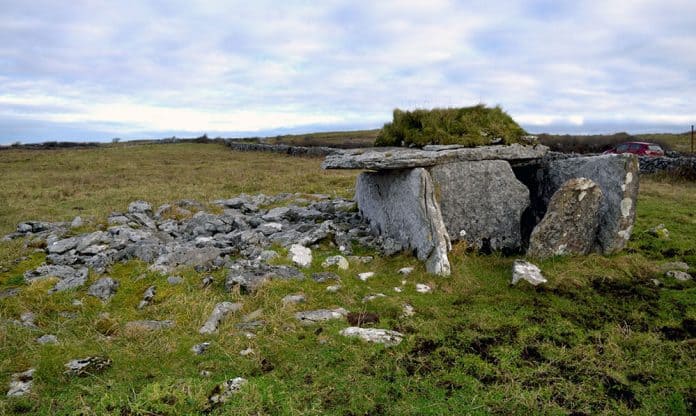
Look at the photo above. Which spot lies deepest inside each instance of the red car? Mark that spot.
(637, 148)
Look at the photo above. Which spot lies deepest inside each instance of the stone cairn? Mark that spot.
(511, 198)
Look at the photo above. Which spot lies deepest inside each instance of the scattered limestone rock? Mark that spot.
(423, 288)
(201, 348)
(339, 261)
(571, 221)
(408, 310)
(219, 312)
(679, 275)
(380, 336)
(319, 315)
(27, 319)
(270, 228)
(333, 288)
(293, 299)
(206, 281)
(360, 259)
(406, 270)
(148, 296)
(522, 270)
(61, 246)
(70, 277)
(300, 255)
(222, 392)
(21, 383)
(140, 207)
(9, 293)
(365, 275)
(246, 352)
(87, 366)
(369, 298)
(47, 339)
(398, 289)
(103, 288)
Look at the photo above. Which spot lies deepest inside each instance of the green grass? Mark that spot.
(468, 126)
(600, 338)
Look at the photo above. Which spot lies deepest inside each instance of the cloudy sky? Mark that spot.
(90, 70)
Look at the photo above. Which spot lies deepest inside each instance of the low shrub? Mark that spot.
(468, 126)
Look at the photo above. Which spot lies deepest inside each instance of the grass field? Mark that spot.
(600, 338)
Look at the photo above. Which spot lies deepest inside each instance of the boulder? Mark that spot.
(571, 221)
(617, 176)
(481, 203)
(338, 261)
(300, 255)
(401, 205)
(401, 158)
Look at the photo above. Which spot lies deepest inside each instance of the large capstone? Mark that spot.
(571, 221)
(401, 158)
(401, 205)
(617, 176)
(482, 203)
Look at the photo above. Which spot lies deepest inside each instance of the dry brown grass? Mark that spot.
(57, 185)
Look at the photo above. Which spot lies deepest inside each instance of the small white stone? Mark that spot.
(365, 275)
(293, 299)
(423, 288)
(406, 270)
(76, 222)
(373, 297)
(300, 255)
(333, 288)
(408, 310)
(679, 275)
(246, 352)
(522, 270)
(339, 261)
(380, 336)
(398, 290)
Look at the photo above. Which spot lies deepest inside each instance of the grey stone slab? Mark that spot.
(482, 203)
(400, 158)
(401, 205)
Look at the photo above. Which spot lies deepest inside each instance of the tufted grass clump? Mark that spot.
(469, 126)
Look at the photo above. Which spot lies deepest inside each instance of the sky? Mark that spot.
(95, 70)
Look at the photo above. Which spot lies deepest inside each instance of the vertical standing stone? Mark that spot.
(571, 221)
(617, 176)
(482, 203)
(401, 204)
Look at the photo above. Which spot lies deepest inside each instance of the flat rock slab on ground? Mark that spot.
(87, 366)
(571, 221)
(401, 205)
(379, 336)
(320, 315)
(21, 383)
(481, 202)
(401, 158)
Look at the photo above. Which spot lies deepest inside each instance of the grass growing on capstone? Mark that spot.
(600, 338)
(468, 126)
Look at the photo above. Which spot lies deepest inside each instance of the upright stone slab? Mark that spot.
(482, 203)
(401, 204)
(617, 176)
(571, 221)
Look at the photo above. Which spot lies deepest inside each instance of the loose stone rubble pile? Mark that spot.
(239, 239)
(494, 198)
